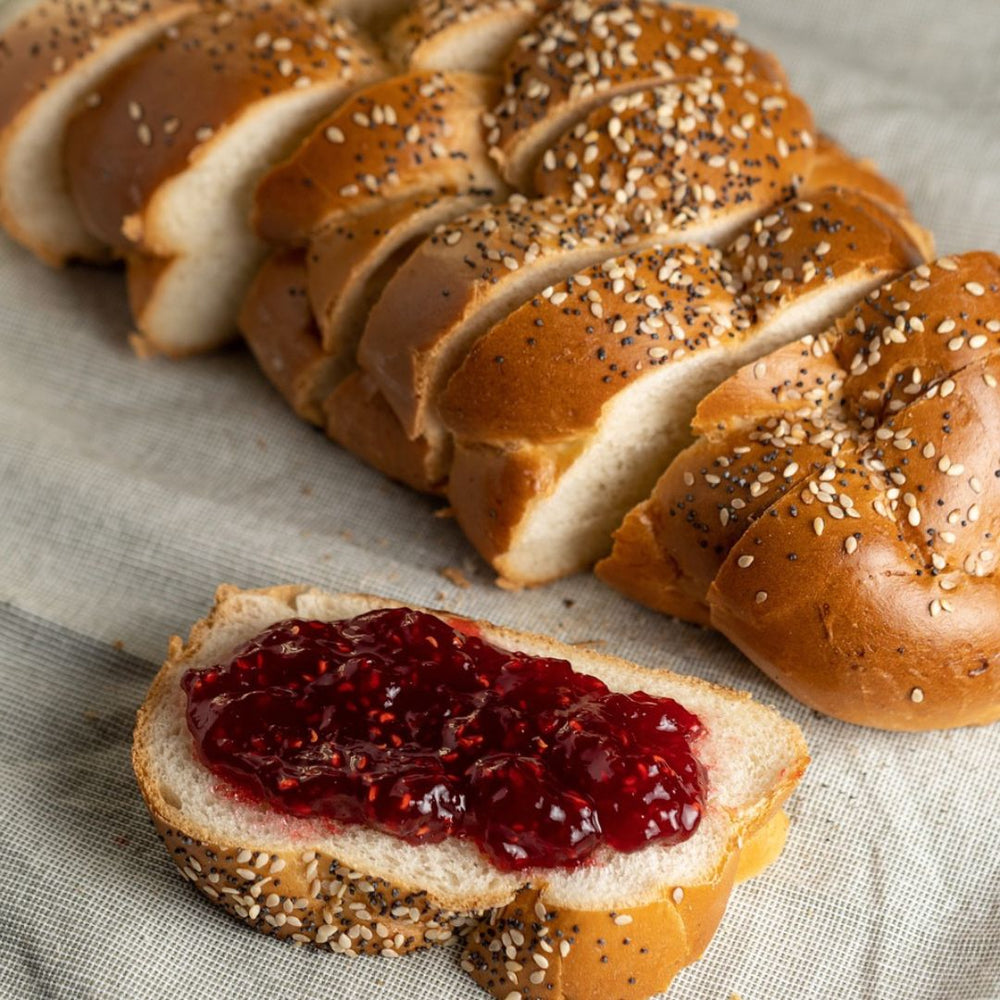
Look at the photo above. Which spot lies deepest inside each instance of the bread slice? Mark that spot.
(350, 264)
(417, 135)
(356, 890)
(580, 55)
(53, 56)
(165, 165)
(566, 412)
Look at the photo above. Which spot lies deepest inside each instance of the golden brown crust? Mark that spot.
(279, 328)
(860, 452)
(161, 110)
(435, 34)
(832, 166)
(529, 946)
(581, 54)
(350, 263)
(448, 288)
(359, 419)
(411, 136)
(684, 152)
(546, 371)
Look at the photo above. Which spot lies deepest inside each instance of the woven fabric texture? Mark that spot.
(129, 489)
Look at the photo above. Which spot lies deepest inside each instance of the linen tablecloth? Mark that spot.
(129, 489)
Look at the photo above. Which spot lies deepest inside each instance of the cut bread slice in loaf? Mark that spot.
(358, 890)
(580, 55)
(165, 165)
(869, 450)
(561, 424)
(412, 136)
(53, 56)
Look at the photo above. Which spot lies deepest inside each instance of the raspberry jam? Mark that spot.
(397, 720)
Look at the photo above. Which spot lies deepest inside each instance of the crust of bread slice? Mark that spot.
(54, 56)
(359, 419)
(412, 136)
(279, 329)
(356, 890)
(472, 35)
(582, 54)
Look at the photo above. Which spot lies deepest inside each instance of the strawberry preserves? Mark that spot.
(397, 720)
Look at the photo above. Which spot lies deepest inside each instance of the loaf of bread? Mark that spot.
(498, 250)
(837, 517)
(622, 925)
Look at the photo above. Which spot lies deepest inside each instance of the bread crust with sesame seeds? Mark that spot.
(53, 55)
(867, 450)
(581, 54)
(470, 35)
(670, 154)
(411, 136)
(624, 930)
(165, 164)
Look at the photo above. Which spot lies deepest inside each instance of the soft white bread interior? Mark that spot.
(356, 890)
(54, 55)
(165, 165)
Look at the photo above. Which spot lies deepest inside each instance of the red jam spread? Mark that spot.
(397, 720)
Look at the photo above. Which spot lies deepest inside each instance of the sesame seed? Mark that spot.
(745, 562)
(677, 895)
(623, 919)
(974, 288)
(819, 525)
(761, 596)
(917, 695)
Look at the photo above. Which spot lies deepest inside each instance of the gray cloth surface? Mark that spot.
(129, 489)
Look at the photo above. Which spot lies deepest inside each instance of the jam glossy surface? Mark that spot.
(396, 720)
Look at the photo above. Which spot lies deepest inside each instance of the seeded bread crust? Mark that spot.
(838, 451)
(412, 136)
(172, 102)
(518, 938)
(580, 54)
(461, 34)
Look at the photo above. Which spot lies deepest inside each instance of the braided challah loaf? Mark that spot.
(501, 249)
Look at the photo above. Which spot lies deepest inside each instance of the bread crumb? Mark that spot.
(118, 644)
(306, 491)
(141, 347)
(590, 643)
(507, 584)
(444, 512)
(454, 575)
